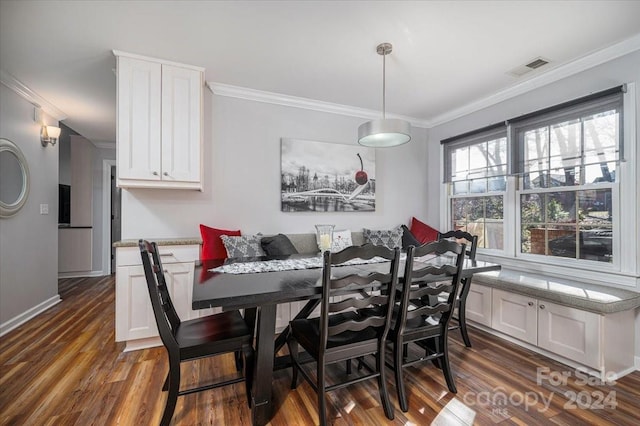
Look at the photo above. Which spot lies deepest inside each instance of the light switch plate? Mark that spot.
(44, 208)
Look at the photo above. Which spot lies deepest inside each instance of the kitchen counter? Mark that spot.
(160, 242)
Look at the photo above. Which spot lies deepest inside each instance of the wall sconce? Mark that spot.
(49, 134)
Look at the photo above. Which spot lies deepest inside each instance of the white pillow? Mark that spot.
(341, 240)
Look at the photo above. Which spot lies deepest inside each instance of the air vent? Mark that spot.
(537, 63)
(528, 67)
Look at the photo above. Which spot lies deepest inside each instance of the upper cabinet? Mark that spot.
(159, 123)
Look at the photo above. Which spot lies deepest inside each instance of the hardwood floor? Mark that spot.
(64, 368)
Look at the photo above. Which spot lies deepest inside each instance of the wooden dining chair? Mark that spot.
(426, 324)
(460, 315)
(217, 334)
(340, 333)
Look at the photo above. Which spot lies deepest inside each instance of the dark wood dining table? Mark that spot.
(259, 294)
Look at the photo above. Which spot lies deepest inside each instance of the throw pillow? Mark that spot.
(390, 238)
(278, 245)
(341, 240)
(408, 239)
(212, 247)
(244, 246)
(423, 232)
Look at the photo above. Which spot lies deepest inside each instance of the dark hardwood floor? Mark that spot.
(64, 368)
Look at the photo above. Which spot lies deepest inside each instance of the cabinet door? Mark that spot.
(181, 118)
(515, 315)
(138, 145)
(179, 277)
(134, 315)
(479, 304)
(570, 332)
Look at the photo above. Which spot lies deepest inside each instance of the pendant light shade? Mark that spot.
(385, 132)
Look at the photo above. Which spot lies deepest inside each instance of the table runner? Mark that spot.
(285, 265)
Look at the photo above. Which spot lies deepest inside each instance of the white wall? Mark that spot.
(242, 176)
(625, 69)
(29, 240)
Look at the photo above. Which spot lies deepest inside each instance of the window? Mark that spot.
(556, 169)
(478, 180)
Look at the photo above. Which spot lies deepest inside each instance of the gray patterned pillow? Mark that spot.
(390, 238)
(243, 246)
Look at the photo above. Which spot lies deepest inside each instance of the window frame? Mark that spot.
(623, 271)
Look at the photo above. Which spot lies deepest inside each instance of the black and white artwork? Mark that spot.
(327, 177)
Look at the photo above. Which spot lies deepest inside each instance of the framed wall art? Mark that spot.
(327, 177)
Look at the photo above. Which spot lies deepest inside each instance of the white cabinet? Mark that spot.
(570, 332)
(135, 323)
(479, 304)
(515, 315)
(159, 135)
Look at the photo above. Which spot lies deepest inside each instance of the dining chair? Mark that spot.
(460, 316)
(340, 333)
(188, 340)
(426, 324)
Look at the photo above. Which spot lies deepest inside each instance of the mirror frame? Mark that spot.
(8, 210)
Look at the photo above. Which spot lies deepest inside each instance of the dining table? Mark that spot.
(259, 294)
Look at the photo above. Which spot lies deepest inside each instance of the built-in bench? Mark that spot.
(583, 325)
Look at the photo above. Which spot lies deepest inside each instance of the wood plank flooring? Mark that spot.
(64, 368)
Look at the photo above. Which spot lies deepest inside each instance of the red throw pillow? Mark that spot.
(212, 246)
(423, 232)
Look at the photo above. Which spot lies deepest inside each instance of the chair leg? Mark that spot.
(238, 356)
(462, 322)
(293, 353)
(348, 366)
(446, 368)
(398, 356)
(322, 402)
(248, 371)
(382, 382)
(172, 396)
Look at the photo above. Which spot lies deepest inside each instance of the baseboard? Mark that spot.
(637, 362)
(134, 345)
(18, 320)
(80, 274)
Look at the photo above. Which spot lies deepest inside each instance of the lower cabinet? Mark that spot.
(134, 315)
(603, 342)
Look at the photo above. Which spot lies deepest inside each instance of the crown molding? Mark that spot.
(103, 144)
(228, 90)
(599, 57)
(30, 96)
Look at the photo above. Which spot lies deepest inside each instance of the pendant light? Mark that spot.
(385, 132)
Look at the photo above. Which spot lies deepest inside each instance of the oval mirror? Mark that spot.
(14, 178)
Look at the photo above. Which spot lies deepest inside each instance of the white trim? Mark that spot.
(637, 362)
(118, 53)
(589, 61)
(590, 370)
(227, 90)
(106, 215)
(80, 274)
(18, 320)
(104, 145)
(30, 96)
(137, 344)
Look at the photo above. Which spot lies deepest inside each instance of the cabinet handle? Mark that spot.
(166, 254)
(166, 174)
(530, 303)
(155, 173)
(541, 306)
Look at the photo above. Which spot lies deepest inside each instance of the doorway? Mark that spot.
(116, 224)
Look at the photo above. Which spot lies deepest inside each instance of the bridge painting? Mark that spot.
(326, 177)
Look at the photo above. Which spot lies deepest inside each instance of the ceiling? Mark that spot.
(446, 54)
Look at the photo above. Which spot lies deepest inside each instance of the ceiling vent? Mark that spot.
(528, 67)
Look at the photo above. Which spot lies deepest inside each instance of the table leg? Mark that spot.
(263, 373)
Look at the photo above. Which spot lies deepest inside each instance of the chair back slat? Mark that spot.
(167, 319)
(419, 279)
(372, 291)
(471, 240)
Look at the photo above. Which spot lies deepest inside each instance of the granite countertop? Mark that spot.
(161, 242)
(589, 297)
